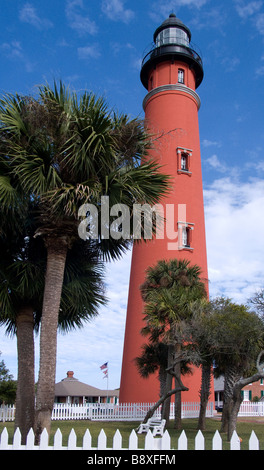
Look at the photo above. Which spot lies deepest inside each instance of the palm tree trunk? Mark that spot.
(231, 377)
(234, 410)
(168, 387)
(178, 395)
(56, 259)
(204, 394)
(25, 395)
(178, 405)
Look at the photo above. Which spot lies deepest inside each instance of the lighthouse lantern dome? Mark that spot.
(171, 43)
(172, 31)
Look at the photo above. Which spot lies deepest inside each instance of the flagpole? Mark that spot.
(107, 383)
(103, 367)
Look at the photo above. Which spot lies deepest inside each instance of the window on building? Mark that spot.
(185, 230)
(180, 76)
(247, 395)
(184, 160)
(185, 237)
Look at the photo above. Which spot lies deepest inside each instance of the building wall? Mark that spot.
(255, 389)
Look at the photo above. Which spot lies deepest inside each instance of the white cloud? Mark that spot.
(260, 23)
(260, 71)
(14, 51)
(235, 237)
(77, 19)
(162, 9)
(117, 47)
(88, 52)
(170, 5)
(230, 63)
(248, 9)
(28, 14)
(115, 10)
(210, 143)
(215, 163)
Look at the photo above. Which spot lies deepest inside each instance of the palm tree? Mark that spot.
(154, 358)
(21, 290)
(66, 151)
(197, 334)
(169, 289)
(22, 278)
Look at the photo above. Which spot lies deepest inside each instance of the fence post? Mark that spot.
(199, 441)
(217, 441)
(182, 442)
(17, 439)
(30, 440)
(117, 441)
(149, 441)
(133, 441)
(165, 441)
(102, 440)
(235, 442)
(87, 440)
(57, 440)
(72, 440)
(4, 439)
(44, 440)
(253, 442)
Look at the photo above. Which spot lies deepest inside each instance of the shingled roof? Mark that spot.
(73, 387)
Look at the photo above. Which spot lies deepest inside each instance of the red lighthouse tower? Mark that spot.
(171, 72)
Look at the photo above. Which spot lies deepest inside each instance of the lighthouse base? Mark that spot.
(148, 390)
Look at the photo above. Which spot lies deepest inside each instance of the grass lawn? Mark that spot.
(244, 428)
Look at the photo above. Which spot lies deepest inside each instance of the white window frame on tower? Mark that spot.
(184, 160)
(181, 76)
(185, 235)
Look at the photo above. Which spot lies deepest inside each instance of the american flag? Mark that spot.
(104, 366)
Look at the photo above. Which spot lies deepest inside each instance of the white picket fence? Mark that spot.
(128, 411)
(109, 412)
(150, 442)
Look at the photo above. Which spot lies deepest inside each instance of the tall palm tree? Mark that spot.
(22, 278)
(21, 290)
(169, 289)
(64, 151)
(197, 334)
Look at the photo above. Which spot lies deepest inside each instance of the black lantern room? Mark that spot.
(172, 42)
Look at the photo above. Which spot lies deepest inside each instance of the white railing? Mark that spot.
(7, 413)
(124, 411)
(109, 412)
(128, 411)
(248, 408)
(150, 443)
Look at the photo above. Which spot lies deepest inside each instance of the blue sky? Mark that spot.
(98, 45)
